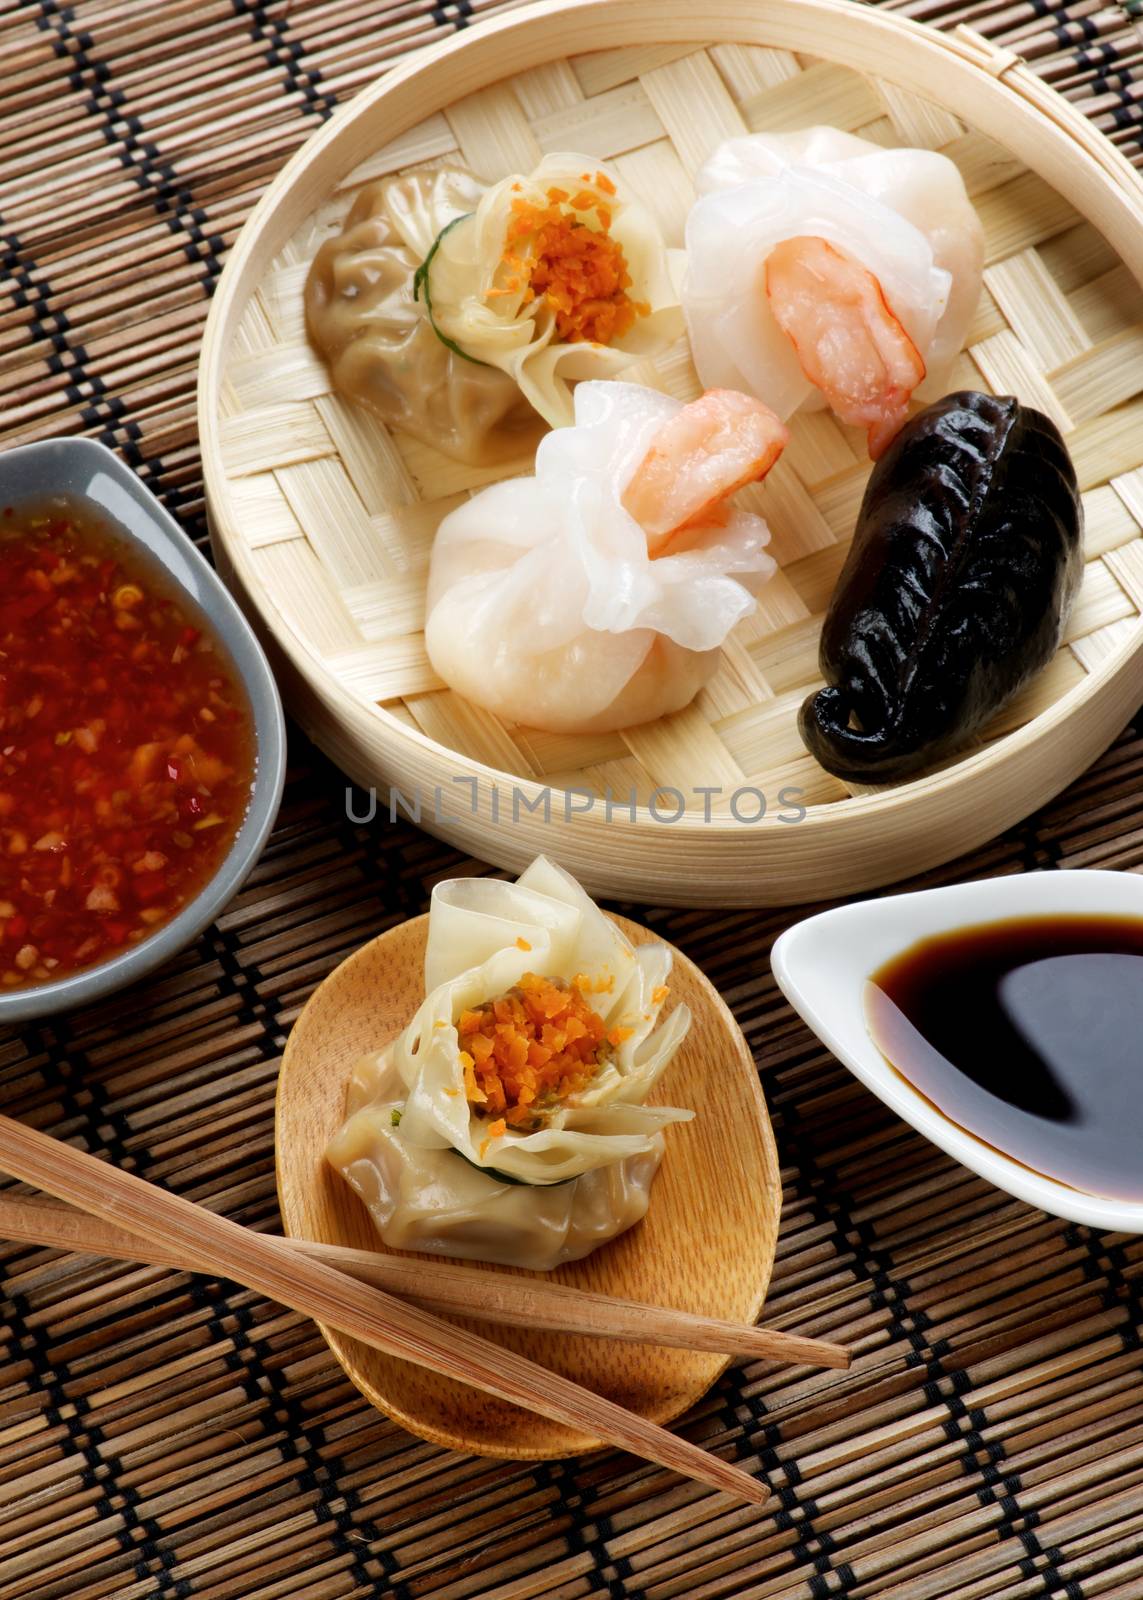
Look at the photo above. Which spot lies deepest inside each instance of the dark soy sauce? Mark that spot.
(1028, 1034)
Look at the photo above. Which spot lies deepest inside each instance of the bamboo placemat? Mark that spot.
(169, 1436)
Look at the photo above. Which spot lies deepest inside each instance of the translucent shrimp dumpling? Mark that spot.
(825, 269)
(595, 594)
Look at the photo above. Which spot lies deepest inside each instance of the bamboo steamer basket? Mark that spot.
(323, 520)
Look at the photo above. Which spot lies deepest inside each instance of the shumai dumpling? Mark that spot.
(508, 1121)
(554, 277)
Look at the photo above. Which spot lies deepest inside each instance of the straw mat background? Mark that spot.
(169, 1436)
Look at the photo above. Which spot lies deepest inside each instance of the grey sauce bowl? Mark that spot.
(94, 479)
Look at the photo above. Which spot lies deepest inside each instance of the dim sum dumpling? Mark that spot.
(428, 1199)
(595, 594)
(554, 277)
(823, 266)
(555, 1159)
(484, 936)
(363, 316)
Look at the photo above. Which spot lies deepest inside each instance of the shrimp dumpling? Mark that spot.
(824, 268)
(595, 594)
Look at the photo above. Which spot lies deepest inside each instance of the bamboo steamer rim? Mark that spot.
(989, 87)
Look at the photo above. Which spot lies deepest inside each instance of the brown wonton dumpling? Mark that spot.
(363, 317)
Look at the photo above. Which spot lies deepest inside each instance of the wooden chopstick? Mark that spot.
(271, 1267)
(437, 1286)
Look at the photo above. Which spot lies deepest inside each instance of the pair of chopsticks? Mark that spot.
(353, 1291)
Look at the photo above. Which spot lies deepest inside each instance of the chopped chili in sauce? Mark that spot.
(126, 747)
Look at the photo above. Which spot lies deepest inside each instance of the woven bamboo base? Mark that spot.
(328, 519)
(160, 1430)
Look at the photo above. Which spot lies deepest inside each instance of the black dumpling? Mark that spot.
(964, 563)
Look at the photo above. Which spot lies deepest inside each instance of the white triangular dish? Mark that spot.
(822, 965)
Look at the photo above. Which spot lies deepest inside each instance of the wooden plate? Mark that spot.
(325, 521)
(706, 1244)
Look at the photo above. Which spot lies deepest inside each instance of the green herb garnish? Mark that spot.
(421, 281)
(395, 1117)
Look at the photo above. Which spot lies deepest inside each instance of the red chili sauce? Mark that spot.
(126, 746)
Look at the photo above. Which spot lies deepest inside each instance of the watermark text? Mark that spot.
(665, 805)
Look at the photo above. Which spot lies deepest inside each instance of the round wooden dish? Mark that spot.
(325, 521)
(706, 1244)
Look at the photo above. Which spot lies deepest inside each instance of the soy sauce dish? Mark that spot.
(1002, 1020)
(142, 745)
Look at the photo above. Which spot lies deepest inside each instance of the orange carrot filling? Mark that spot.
(580, 271)
(524, 1053)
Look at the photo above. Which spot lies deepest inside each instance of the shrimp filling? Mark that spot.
(554, 253)
(526, 1052)
(848, 341)
(711, 447)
